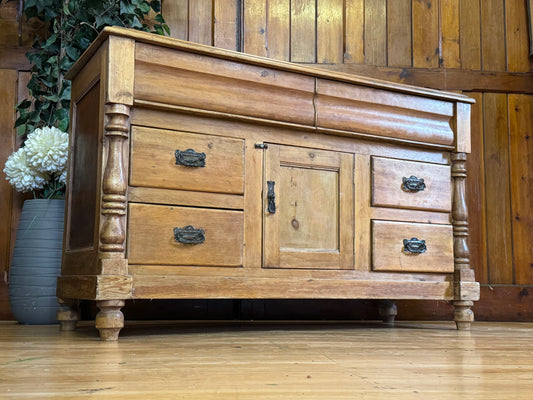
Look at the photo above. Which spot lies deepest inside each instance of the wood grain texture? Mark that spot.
(329, 35)
(152, 239)
(254, 27)
(201, 21)
(303, 31)
(375, 32)
(354, 31)
(499, 236)
(266, 360)
(8, 91)
(176, 14)
(119, 71)
(154, 163)
(399, 33)
(450, 51)
(476, 194)
(313, 221)
(388, 189)
(376, 112)
(444, 79)
(521, 179)
(516, 29)
(388, 252)
(278, 29)
(470, 34)
(425, 33)
(201, 82)
(493, 35)
(226, 29)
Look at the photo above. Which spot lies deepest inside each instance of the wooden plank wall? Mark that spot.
(479, 47)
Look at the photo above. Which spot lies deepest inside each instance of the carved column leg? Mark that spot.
(68, 314)
(110, 320)
(466, 289)
(387, 311)
(113, 262)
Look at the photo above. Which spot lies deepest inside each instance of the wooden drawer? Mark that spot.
(390, 190)
(152, 236)
(154, 162)
(390, 252)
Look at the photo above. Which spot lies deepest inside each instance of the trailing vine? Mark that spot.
(71, 25)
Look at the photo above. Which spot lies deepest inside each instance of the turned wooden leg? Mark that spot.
(387, 311)
(110, 320)
(463, 315)
(68, 314)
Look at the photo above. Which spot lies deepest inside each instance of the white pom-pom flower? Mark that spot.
(21, 175)
(63, 177)
(47, 149)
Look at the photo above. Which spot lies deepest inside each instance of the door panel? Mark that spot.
(309, 221)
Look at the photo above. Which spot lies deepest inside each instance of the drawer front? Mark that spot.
(186, 161)
(410, 247)
(160, 235)
(409, 184)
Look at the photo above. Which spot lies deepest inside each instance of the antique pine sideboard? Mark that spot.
(201, 173)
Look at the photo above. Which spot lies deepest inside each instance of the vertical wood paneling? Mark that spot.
(517, 38)
(450, 56)
(8, 94)
(254, 27)
(279, 29)
(521, 157)
(476, 194)
(354, 51)
(226, 24)
(201, 21)
(376, 32)
(399, 33)
(303, 31)
(492, 35)
(176, 14)
(470, 34)
(499, 239)
(329, 35)
(425, 33)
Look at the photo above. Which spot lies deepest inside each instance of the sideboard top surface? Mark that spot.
(178, 44)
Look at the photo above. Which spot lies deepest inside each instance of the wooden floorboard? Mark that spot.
(201, 360)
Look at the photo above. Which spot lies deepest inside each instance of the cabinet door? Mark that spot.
(307, 209)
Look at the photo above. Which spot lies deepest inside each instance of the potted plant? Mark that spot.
(38, 167)
(43, 118)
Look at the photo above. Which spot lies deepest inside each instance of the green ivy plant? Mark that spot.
(71, 26)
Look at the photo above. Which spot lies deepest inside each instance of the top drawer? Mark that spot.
(174, 160)
(409, 184)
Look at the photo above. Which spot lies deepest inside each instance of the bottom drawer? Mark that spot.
(165, 235)
(410, 247)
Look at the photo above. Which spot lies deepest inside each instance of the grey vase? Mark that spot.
(36, 262)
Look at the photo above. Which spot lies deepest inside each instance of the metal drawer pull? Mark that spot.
(190, 158)
(189, 235)
(271, 197)
(413, 184)
(414, 246)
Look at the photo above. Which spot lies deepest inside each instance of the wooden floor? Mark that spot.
(269, 361)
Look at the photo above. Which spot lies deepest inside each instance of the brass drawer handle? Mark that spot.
(414, 245)
(413, 184)
(189, 235)
(190, 158)
(271, 197)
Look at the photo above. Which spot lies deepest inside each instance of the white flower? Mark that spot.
(63, 177)
(47, 149)
(21, 175)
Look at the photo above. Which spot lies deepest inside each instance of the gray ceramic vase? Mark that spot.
(36, 262)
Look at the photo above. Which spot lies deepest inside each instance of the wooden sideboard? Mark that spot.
(201, 173)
